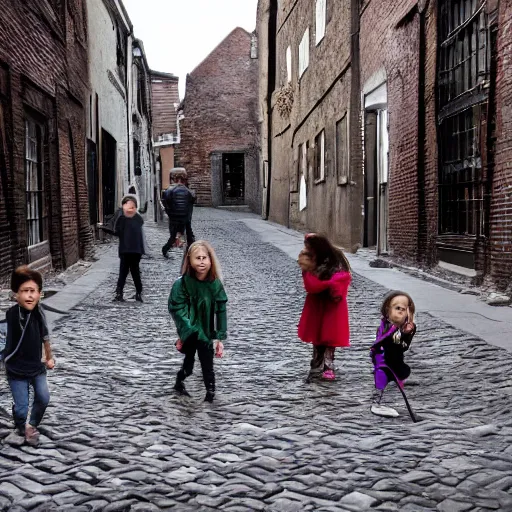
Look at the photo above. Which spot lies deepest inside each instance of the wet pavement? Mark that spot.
(117, 438)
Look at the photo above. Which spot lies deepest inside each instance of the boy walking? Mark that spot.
(178, 201)
(27, 335)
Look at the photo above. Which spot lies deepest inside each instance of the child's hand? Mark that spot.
(50, 364)
(409, 323)
(304, 261)
(219, 348)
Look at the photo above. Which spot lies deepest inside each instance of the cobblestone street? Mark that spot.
(116, 437)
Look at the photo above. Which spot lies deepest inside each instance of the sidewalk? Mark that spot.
(464, 312)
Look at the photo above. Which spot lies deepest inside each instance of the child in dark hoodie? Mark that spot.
(129, 228)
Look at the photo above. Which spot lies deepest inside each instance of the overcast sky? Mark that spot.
(179, 34)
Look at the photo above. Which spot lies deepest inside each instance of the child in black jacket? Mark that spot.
(128, 227)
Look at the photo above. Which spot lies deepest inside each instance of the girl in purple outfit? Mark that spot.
(394, 336)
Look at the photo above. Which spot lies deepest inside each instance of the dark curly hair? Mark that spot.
(329, 259)
(388, 299)
(23, 274)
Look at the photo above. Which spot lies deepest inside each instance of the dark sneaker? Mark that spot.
(210, 395)
(119, 297)
(138, 297)
(164, 252)
(31, 435)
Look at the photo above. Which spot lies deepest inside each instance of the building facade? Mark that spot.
(44, 218)
(119, 143)
(430, 182)
(166, 129)
(219, 132)
(108, 148)
(311, 151)
(141, 174)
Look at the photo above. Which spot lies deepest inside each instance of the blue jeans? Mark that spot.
(20, 389)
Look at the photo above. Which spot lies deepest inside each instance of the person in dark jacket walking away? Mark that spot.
(27, 336)
(129, 228)
(178, 201)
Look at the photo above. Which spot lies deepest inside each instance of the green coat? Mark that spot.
(199, 307)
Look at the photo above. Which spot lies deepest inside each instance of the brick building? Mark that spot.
(219, 132)
(166, 133)
(431, 101)
(44, 217)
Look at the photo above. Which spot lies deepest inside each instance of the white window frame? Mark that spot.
(321, 20)
(288, 64)
(304, 53)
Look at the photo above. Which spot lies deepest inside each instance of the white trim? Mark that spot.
(321, 19)
(304, 53)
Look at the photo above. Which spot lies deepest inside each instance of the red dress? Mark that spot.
(324, 319)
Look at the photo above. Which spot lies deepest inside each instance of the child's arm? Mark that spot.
(314, 285)
(407, 335)
(179, 309)
(220, 313)
(50, 362)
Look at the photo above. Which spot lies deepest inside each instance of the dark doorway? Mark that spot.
(370, 180)
(233, 178)
(108, 169)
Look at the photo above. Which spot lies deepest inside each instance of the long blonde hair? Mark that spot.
(215, 271)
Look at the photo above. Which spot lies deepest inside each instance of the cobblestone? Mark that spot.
(116, 437)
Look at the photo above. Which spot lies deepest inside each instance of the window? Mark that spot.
(463, 69)
(461, 189)
(34, 176)
(321, 11)
(342, 151)
(463, 59)
(304, 53)
(319, 173)
(289, 64)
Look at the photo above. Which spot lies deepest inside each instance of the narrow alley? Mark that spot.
(116, 437)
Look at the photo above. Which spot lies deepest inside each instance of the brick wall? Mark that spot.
(45, 76)
(389, 43)
(220, 110)
(165, 95)
(501, 211)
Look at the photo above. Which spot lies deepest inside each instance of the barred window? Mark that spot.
(463, 55)
(34, 175)
(463, 69)
(461, 194)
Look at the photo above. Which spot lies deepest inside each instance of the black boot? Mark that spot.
(119, 296)
(138, 297)
(164, 252)
(179, 386)
(210, 391)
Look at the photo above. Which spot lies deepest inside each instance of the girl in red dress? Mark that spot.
(324, 321)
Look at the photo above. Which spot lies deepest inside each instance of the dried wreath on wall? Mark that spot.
(284, 102)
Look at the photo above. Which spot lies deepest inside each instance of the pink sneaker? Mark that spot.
(328, 375)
